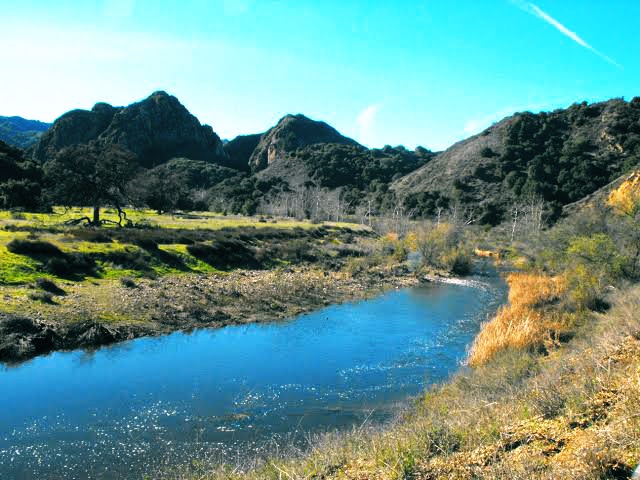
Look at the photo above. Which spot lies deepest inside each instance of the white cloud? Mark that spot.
(536, 11)
(366, 122)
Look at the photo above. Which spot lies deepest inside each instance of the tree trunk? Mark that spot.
(96, 216)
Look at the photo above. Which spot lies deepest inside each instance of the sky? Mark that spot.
(401, 72)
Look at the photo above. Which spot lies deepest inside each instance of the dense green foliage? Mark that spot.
(179, 184)
(90, 175)
(20, 180)
(543, 158)
(334, 165)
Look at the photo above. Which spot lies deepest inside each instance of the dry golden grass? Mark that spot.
(625, 198)
(521, 323)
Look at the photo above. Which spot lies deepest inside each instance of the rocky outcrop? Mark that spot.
(291, 133)
(72, 128)
(155, 130)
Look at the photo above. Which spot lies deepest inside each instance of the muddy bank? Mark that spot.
(182, 303)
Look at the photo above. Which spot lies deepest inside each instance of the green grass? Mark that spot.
(195, 220)
(167, 259)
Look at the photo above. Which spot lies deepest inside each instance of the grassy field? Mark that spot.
(20, 269)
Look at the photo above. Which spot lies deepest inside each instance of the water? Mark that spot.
(152, 403)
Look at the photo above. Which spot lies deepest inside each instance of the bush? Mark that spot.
(34, 247)
(593, 263)
(225, 254)
(70, 265)
(458, 262)
(44, 297)
(128, 282)
(49, 286)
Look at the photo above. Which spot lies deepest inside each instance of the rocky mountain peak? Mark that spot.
(155, 129)
(291, 133)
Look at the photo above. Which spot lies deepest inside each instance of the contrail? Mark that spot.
(533, 9)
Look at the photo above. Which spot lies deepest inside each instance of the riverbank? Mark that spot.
(66, 287)
(151, 307)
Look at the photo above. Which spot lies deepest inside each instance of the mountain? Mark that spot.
(20, 132)
(561, 156)
(240, 149)
(291, 133)
(155, 130)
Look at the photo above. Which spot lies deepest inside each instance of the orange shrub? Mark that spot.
(522, 323)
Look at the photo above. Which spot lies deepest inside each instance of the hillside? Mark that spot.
(155, 130)
(561, 156)
(291, 133)
(353, 168)
(240, 149)
(20, 132)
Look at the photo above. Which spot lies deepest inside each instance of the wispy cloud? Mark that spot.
(366, 120)
(536, 11)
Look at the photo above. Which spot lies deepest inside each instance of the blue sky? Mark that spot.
(427, 72)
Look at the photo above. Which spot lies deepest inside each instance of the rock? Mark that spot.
(292, 132)
(155, 130)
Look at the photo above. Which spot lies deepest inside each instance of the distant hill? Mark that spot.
(561, 156)
(291, 133)
(20, 132)
(155, 129)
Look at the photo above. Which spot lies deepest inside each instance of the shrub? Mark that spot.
(458, 261)
(128, 282)
(131, 258)
(70, 265)
(49, 286)
(593, 263)
(44, 297)
(33, 247)
(225, 254)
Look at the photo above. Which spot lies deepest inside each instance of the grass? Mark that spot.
(523, 323)
(149, 218)
(160, 248)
